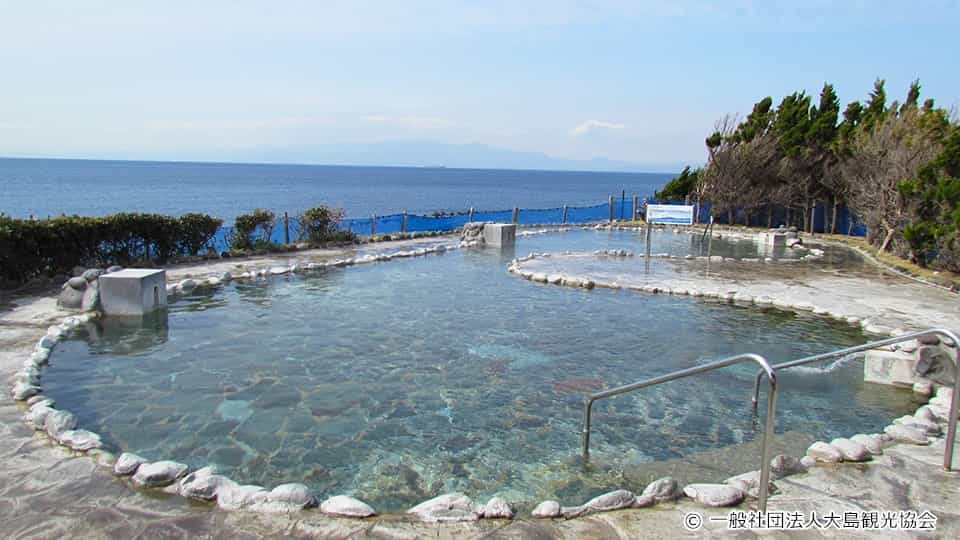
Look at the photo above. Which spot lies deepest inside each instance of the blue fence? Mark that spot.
(622, 208)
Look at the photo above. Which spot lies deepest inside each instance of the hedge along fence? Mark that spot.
(30, 248)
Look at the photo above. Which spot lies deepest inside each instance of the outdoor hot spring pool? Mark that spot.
(397, 381)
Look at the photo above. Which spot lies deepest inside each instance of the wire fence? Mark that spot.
(288, 228)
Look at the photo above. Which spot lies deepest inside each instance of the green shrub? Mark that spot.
(319, 224)
(32, 247)
(246, 226)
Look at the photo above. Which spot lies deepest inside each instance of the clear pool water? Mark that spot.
(398, 381)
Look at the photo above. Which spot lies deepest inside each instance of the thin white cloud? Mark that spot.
(414, 122)
(590, 125)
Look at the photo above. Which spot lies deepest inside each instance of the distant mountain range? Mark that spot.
(434, 154)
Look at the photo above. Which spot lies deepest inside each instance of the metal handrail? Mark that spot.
(771, 407)
(951, 421)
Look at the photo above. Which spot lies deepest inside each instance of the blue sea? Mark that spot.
(46, 187)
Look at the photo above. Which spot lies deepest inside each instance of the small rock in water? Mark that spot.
(825, 453)
(447, 507)
(127, 464)
(344, 506)
(714, 495)
(663, 489)
(547, 509)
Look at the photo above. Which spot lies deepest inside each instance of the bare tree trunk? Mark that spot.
(887, 238)
(769, 216)
(806, 216)
(730, 217)
(833, 220)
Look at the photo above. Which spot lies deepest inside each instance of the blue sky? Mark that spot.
(635, 81)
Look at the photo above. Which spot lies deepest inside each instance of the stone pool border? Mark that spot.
(205, 484)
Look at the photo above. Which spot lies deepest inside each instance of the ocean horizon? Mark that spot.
(42, 187)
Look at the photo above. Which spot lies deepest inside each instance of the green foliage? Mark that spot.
(757, 122)
(823, 124)
(934, 195)
(30, 247)
(876, 107)
(793, 123)
(319, 224)
(680, 186)
(246, 227)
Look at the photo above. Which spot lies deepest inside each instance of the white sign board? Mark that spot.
(670, 213)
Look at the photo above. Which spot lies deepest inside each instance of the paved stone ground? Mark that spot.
(47, 493)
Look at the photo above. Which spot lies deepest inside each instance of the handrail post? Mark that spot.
(373, 224)
(403, 222)
(470, 219)
(286, 228)
(610, 204)
(516, 213)
(587, 407)
(564, 220)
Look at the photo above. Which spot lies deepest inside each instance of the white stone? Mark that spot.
(923, 388)
(825, 453)
(614, 500)
(127, 464)
(22, 391)
(159, 473)
(927, 426)
(80, 440)
(547, 509)
(808, 461)
(285, 498)
(871, 442)
(663, 489)
(202, 484)
(232, 496)
(344, 506)
(851, 450)
(37, 416)
(749, 483)
(497, 508)
(59, 421)
(907, 434)
(714, 495)
(447, 507)
(783, 465)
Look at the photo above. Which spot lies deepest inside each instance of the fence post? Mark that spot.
(516, 213)
(286, 228)
(471, 215)
(636, 208)
(403, 222)
(373, 225)
(564, 220)
(610, 204)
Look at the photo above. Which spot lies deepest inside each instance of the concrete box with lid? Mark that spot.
(500, 234)
(133, 291)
